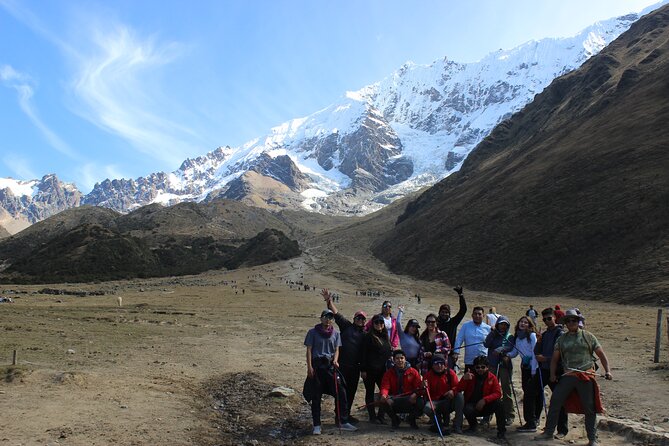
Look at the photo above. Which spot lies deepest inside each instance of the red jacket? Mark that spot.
(411, 381)
(491, 388)
(439, 385)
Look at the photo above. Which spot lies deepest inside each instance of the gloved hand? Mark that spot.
(458, 289)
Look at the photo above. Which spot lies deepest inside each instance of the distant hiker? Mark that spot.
(390, 322)
(498, 345)
(376, 351)
(482, 395)
(442, 384)
(409, 339)
(448, 324)
(432, 341)
(575, 349)
(532, 314)
(352, 335)
(472, 335)
(323, 343)
(558, 313)
(400, 391)
(119, 301)
(544, 353)
(491, 318)
(523, 341)
(418, 298)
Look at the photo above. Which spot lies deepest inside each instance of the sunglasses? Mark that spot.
(387, 306)
(549, 318)
(430, 322)
(362, 318)
(480, 367)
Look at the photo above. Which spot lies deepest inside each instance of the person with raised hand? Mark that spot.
(448, 324)
(409, 338)
(352, 335)
(392, 328)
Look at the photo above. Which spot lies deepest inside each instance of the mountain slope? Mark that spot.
(570, 195)
(377, 144)
(93, 243)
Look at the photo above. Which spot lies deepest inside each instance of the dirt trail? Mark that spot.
(166, 367)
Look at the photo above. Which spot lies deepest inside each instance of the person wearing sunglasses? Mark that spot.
(441, 383)
(544, 352)
(323, 343)
(352, 335)
(482, 395)
(409, 338)
(432, 341)
(577, 389)
(391, 324)
(375, 353)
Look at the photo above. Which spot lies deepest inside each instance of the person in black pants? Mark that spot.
(544, 352)
(483, 396)
(352, 334)
(376, 352)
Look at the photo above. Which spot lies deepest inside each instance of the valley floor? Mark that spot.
(189, 361)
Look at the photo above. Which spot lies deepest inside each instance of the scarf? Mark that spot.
(324, 332)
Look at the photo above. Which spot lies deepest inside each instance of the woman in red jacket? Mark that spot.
(400, 389)
(482, 396)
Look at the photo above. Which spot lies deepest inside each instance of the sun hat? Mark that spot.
(572, 313)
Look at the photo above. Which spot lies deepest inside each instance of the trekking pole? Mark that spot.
(337, 408)
(376, 403)
(543, 396)
(434, 411)
(513, 389)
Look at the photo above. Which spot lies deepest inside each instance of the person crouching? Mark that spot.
(441, 385)
(483, 396)
(400, 390)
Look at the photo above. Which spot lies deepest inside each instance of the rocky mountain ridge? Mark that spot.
(377, 144)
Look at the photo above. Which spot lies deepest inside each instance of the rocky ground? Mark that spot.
(192, 360)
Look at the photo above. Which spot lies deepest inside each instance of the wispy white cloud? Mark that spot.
(117, 86)
(90, 173)
(20, 166)
(23, 85)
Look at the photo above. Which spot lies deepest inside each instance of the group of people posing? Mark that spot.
(415, 372)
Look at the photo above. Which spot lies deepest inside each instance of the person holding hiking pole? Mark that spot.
(448, 324)
(544, 353)
(441, 384)
(575, 350)
(323, 343)
(497, 343)
(352, 334)
(523, 341)
(482, 395)
(400, 391)
(473, 334)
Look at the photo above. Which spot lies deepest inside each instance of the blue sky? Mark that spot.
(92, 90)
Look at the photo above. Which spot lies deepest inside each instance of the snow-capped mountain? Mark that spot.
(379, 143)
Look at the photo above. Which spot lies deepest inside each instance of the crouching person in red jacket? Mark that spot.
(442, 384)
(400, 390)
(482, 396)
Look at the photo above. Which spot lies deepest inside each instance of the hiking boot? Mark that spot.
(395, 421)
(545, 437)
(317, 430)
(348, 427)
(508, 422)
(501, 436)
(471, 430)
(560, 435)
(353, 420)
(457, 431)
(412, 422)
(593, 443)
(527, 427)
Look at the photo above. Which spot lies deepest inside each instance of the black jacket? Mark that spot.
(450, 326)
(351, 342)
(374, 356)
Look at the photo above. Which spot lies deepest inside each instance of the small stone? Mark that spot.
(282, 391)
(666, 419)
(252, 442)
(71, 351)
(645, 419)
(123, 406)
(627, 338)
